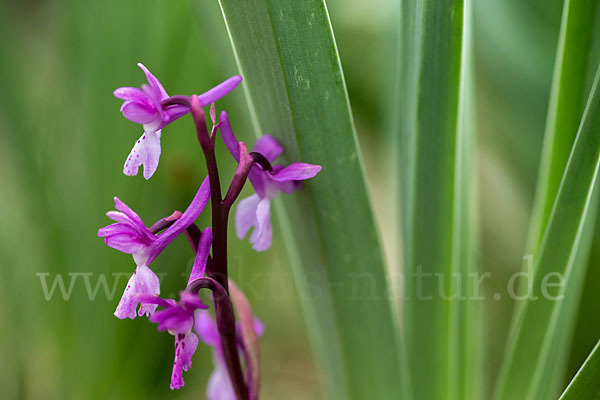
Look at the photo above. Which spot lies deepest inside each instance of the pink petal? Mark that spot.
(119, 217)
(130, 94)
(117, 228)
(184, 352)
(139, 113)
(201, 255)
(146, 152)
(172, 113)
(263, 234)
(296, 172)
(245, 215)
(134, 218)
(154, 83)
(268, 147)
(219, 384)
(142, 282)
(124, 242)
(258, 177)
(228, 137)
(259, 327)
(219, 91)
(151, 299)
(206, 328)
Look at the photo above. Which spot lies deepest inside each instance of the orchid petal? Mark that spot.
(206, 328)
(124, 242)
(130, 94)
(219, 91)
(296, 172)
(268, 147)
(258, 178)
(146, 152)
(219, 383)
(228, 136)
(139, 113)
(201, 255)
(154, 83)
(184, 352)
(173, 319)
(190, 302)
(172, 113)
(262, 236)
(134, 218)
(151, 299)
(245, 215)
(142, 282)
(259, 327)
(118, 228)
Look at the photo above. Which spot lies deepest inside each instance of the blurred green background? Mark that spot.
(63, 143)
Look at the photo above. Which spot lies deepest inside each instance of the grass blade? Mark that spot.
(286, 53)
(437, 197)
(537, 334)
(569, 93)
(585, 385)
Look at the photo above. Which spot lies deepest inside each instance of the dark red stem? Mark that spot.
(219, 250)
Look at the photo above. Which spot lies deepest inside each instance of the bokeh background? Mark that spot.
(63, 143)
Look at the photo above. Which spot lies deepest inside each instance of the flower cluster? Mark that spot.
(189, 320)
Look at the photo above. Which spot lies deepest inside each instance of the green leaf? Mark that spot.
(585, 385)
(436, 104)
(571, 86)
(538, 333)
(294, 84)
(569, 93)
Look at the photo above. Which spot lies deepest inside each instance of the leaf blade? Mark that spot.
(294, 83)
(585, 383)
(569, 91)
(437, 197)
(568, 233)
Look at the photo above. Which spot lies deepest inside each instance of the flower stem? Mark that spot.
(219, 252)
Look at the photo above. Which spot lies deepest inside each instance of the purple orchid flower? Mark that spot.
(178, 319)
(219, 384)
(130, 235)
(143, 106)
(255, 211)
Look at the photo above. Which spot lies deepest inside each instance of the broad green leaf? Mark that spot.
(570, 88)
(436, 103)
(295, 88)
(586, 383)
(535, 340)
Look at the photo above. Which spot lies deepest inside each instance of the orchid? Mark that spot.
(144, 106)
(130, 235)
(232, 338)
(268, 182)
(178, 319)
